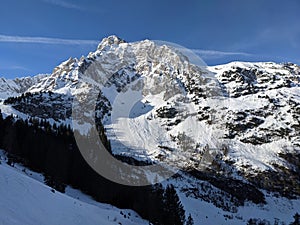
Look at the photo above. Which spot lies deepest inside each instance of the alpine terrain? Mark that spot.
(230, 134)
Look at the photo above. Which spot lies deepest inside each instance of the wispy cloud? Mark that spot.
(214, 54)
(63, 4)
(19, 68)
(15, 67)
(46, 40)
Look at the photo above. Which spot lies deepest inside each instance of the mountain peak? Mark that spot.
(110, 40)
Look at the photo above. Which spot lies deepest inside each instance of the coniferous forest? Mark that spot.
(52, 151)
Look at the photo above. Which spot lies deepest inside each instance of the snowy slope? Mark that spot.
(235, 121)
(199, 198)
(24, 200)
(249, 109)
(17, 86)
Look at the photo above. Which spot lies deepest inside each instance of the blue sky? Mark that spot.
(36, 35)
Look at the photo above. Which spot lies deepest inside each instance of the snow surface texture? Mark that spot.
(204, 212)
(25, 200)
(9, 88)
(158, 106)
(141, 83)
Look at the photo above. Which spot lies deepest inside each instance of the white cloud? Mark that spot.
(46, 40)
(19, 68)
(15, 67)
(214, 54)
(63, 4)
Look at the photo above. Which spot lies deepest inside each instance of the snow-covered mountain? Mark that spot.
(227, 127)
(17, 86)
(26, 200)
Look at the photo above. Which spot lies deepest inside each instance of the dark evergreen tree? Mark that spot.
(258, 222)
(174, 213)
(1, 128)
(128, 79)
(157, 204)
(251, 222)
(52, 150)
(9, 137)
(190, 220)
(296, 219)
(55, 183)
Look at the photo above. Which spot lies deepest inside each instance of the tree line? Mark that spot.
(51, 150)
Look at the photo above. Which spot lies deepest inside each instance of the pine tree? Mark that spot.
(1, 129)
(296, 219)
(157, 204)
(190, 220)
(174, 212)
(128, 79)
(276, 222)
(251, 222)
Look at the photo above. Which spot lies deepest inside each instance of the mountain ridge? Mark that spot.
(237, 122)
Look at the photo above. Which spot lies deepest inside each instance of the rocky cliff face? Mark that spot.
(17, 86)
(227, 127)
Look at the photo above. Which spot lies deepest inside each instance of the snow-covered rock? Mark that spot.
(25, 200)
(238, 121)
